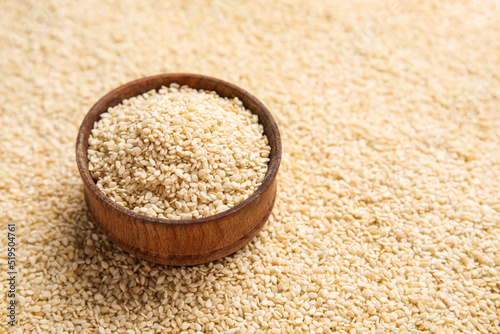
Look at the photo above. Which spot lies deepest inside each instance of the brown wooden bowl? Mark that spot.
(180, 242)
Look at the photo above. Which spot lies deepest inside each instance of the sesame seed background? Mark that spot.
(388, 211)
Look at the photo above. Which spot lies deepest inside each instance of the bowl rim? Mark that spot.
(82, 160)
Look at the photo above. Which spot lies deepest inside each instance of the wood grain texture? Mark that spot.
(180, 242)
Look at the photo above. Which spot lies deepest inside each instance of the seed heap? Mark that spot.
(387, 218)
(178, 153)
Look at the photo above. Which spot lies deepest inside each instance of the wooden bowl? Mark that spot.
(180, 242)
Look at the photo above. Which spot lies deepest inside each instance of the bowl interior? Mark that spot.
(140, 86)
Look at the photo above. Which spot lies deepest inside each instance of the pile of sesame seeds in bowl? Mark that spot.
(178, 153)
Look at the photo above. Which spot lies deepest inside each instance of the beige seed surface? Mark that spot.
(178, 153)
(387, 218)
